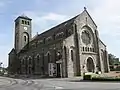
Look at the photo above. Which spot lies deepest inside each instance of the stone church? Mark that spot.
(66, 50)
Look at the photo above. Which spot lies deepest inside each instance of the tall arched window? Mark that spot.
(25, 39)
(23, 61)
(48, 57)
(38, 59)
(72, 57)
(83, 49)
(65, 55)
(30, 60)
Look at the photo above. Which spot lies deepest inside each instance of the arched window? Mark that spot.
(30, 60)
(83, 49)
(91, 49)
(28, 23)
(25, 22)
(88, 49)
(23, 61)
(25, 39)
(65, 55)
(48, 57)
(86, 36)
(38, 59)
(22, 21)
(72, 57)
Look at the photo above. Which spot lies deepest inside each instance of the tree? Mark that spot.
(113, 60)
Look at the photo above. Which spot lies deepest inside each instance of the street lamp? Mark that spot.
(1, 70)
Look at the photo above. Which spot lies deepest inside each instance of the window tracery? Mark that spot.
(86, 38)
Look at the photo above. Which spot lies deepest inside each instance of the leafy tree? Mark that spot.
(113, 60)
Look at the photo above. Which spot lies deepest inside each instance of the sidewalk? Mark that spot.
(68, 79)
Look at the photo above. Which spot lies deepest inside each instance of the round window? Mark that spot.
(86, 37)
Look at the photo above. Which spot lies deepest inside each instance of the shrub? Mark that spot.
(87, 77)
(105, 79)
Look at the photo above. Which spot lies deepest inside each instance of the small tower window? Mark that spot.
(25, 22)
(28, 23)
(22, 21)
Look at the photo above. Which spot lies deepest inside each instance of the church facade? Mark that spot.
(66, 50)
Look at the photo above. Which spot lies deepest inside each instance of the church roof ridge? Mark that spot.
(102, 42)
(63, 24)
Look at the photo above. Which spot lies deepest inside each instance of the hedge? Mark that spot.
(105, 79)
(93, 78)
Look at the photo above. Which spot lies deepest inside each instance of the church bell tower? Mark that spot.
(22, 32)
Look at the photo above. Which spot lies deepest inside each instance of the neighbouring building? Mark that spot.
(66, 50)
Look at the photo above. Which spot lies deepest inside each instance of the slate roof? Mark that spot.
(63, 26)
(58, 28)
(24, 17)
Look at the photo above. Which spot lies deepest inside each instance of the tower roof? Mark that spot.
(23, 17)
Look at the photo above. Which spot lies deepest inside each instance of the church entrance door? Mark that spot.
(90, 65)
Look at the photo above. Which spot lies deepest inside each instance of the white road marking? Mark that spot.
(56, 87)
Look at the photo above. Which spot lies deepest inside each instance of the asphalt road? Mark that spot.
(54, 84)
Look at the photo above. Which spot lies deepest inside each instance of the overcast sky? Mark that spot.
(48, 13)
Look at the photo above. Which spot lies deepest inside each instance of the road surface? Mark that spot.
(54, 84)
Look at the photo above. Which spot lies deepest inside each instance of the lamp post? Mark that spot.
(1, 68)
